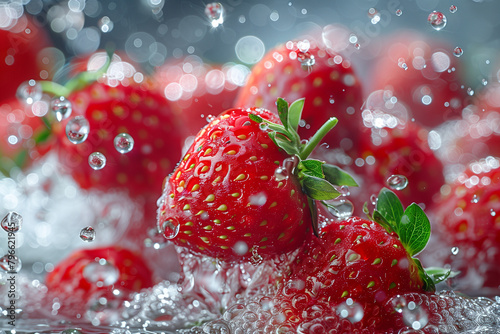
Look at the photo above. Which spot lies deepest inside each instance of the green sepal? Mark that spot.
(379, 218)
(314, 215)
(390, 207)
(318, 189)
(440, 274)
(282, 106)
(312, 167)
(284, 143)
(338, 176)
(42, 136)
(21, 158)
(295, 114)
(429, 284)
(414, 229)
(255, 118)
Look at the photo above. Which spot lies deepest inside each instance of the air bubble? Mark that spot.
(437, 20)
(457, 52)
(97, 160)
(215, 13)
(77, 130)
(124, 143)
(397, 182)
(87, 234)
(29, 92)
(12, 222)
(101, 272)
(170, 228)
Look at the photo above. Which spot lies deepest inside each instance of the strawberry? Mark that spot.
(81, 280)
(357, 265)
(197, 91)
(423, 74)
(305, 69)
(467, 218)
(24, 136)
(22, 40)
(231, 195)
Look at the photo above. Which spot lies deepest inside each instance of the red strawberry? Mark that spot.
(197, 90)
(468, 217)
(111, 111)
(303, 69)
(423, 74)
(82, 279)
(230, 197)
(24, 136)
(22, 40)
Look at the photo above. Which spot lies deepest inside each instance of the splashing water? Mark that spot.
(437, 20)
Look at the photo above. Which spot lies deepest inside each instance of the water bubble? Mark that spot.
(455, 250)
(10, 263)
(397, 182)
(124, 143)
(350, 310)
(457, 52)
(61, 107)
(215, 13)
(170, 228)
(453, 9)
(399, 12)
(437, 20)
(398, 303)
(77, 129)
(12, 222)
(280, 174)
(97, 160)
(29, 92)
(101, 272)
(87, 234)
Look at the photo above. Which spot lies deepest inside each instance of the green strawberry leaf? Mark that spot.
(255, 118)
(414, 229)
(337, 176)
(283, 111)
(379, 218)
(312, 167)
(390, 207)
(314, 215)
(429, 284)
(295, 114)
(284, 143)
(318, 189)
(440, 274)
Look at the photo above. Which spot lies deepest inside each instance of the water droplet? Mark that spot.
(263, 126)
(493, 213)
(10, 263)
(29, 92)
(453, 9)
(399, 12)
(475, 199)
(457, 52)
(155, 239)
(397, 182)
(437, 20)
(373, 199)
(61, 107)
(170, 228)
(210, 118)
(77, 130)
(12, 222)
(280, 174)
(455, 250)
(398, 303)
(87, 234)
(342, 209)
(101, 272)
(124, 143)
(306, 59)
(71, 331)
(484, 82)
(344, 191)
(470, 91)
(357, 46)
(415, 316)
(289, 164)
(97, 160)
(215, 13)
(350, 310)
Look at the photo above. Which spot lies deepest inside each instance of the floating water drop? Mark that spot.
(170, 228)
(374, 15)
(210, 118)
(97, 160)
(470, 91)
(399, 12)
(306, 59)
(10, 263)
(263, 126)
(342, 209)
(87, 234)
(475, 199)
(101, 272)
(215, 13)
(397, 182)
(350, 310)
(453, 9)
(455, 250)
(280, 174)
(484, 82)
(124, 143)
(398, 303)
(61, 107)
(493, 213)
(437, 20)
(77, 129)
(29, 92)
(12, 222)
(373, 199)
(457, 52)
(357, 46)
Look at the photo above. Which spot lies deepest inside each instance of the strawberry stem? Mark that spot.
(54, 88)
(316, 139)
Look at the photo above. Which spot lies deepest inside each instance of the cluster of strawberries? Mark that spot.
(259, 175)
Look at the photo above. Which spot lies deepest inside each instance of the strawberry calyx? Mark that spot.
(413, 228)
(317, 178)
